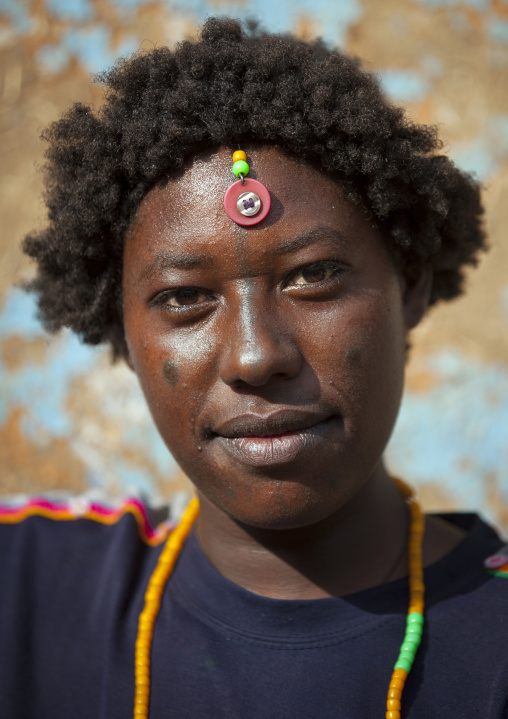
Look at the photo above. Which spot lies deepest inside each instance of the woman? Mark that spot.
(266, 316)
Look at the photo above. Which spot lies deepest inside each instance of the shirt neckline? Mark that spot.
(200, 589)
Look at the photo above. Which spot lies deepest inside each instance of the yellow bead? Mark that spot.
(397, 685)
(239, 155)
(158, 581)
(416, 585)
(152, 593)
(399, 674)
(393, 705)
(142, 680)
(141, 711)
(153, 603)
(143, 645)
(392, 715)
(143, 690)
(417, 608)
(175, 543)
(165, 563)
(394, 693)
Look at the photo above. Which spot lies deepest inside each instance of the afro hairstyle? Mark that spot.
(232, 86)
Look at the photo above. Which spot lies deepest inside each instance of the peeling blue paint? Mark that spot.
(331, 19)
(459, 21)
(18, 316)
(480, 5)
(486, 154)
(432, 66)
(42, 391)
(55, 58)
(404, 85)
(130, 5)
(498, 130)
(136, 481)
(504, 303)
(17, 14)
(456, 434)
(71, 10)
(498, 30)
(478, 158)
(92, 47)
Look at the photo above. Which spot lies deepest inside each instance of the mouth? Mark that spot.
(276, 439)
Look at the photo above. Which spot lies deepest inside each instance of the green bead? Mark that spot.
(415, 629)
(410, 647)
(410, 656)
(403, 664)
(413, 638)
(240, 168)
(415, 618)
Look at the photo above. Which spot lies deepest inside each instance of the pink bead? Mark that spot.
(234, 192)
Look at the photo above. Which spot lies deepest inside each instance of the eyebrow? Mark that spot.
(308, 238)
(163, 261)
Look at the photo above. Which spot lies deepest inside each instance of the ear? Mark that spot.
(416, 296)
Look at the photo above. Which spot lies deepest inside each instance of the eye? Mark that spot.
(317, 274)
(182, 298)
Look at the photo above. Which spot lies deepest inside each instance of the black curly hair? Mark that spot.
(234, 86)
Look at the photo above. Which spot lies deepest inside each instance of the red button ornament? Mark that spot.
(247, 203)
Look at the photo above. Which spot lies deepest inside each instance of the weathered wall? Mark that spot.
(68, 421)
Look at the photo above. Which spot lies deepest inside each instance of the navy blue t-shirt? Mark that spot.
(71, 593)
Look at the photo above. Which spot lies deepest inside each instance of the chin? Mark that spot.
(280, 504)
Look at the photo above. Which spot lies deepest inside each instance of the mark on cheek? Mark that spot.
(170, 372)
(354, 357)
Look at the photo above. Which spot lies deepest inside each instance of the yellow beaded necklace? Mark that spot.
(170, 554)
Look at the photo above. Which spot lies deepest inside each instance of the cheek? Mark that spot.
(174, 371)
(361, 351)
(373, 362)
(354, 358)
(170, 372)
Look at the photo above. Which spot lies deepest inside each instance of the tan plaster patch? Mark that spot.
(16, 351)
(31, 469)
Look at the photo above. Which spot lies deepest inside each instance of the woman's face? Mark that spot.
(271, 357)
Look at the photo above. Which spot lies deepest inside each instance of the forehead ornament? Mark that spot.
(247, 201)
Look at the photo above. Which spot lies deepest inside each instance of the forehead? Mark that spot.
(187, 211)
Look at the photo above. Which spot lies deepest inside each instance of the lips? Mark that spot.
(278, 438)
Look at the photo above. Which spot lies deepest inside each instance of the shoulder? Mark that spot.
(465, 587)
(40, 538)
(55, 556)
(79, 516)
(73, 575)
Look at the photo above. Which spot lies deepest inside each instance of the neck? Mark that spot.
(360, 546)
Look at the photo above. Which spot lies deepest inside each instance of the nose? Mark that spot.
(257, 347)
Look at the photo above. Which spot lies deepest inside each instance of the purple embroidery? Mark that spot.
(248, 203)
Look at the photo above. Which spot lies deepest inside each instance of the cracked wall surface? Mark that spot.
(70, 422)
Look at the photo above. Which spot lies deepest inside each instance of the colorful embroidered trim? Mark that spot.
(497, 564)
(82, 508)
